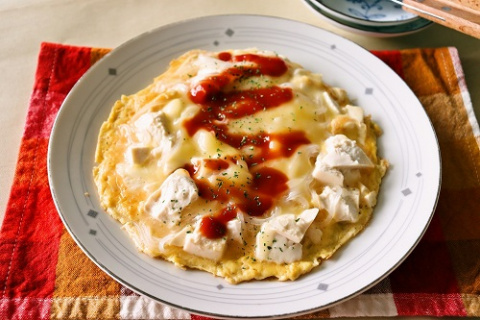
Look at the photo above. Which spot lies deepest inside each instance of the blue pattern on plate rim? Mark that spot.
(368, 10)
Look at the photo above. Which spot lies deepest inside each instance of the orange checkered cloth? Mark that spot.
(44, 274)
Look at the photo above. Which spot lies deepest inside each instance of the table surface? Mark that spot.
(24, 24)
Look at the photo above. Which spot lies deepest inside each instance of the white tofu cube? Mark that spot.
(175, 193)
(199, 245)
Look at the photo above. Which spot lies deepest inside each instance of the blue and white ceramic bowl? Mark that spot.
(369, 12)
(380, 18)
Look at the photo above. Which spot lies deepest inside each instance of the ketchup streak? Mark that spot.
(218, 106)
(215, 226)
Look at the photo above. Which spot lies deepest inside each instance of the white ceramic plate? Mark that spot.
(405, 207)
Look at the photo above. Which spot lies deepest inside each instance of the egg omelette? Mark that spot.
(240, 163)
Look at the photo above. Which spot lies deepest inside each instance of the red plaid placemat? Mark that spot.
(44, 275)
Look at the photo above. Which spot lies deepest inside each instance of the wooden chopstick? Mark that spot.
(461, 15)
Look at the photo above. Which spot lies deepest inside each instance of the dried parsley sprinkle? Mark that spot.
(244, 140)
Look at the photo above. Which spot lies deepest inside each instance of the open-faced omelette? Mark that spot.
(240, 163)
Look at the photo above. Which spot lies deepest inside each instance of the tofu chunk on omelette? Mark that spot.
(240, 163)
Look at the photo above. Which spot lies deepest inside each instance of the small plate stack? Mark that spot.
(379, 18)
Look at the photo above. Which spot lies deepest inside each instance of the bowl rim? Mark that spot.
(379, 31)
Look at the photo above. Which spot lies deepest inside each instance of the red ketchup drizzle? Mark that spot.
(214, 227)
(216, 164)
(254, 197)
(219, 104)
